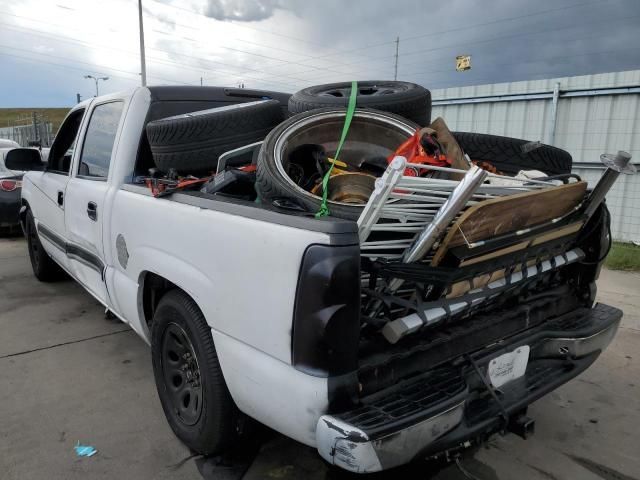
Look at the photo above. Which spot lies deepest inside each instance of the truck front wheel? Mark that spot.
(192, 390)
(44, 267)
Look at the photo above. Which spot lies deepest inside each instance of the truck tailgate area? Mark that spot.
(452, 403)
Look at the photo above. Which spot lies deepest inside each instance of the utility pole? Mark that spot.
(143, 65)
(201, 81)
(395, 71)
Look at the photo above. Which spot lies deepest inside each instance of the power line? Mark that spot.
(440, 32)
(70, 67)
(476, 42)
(493, 64)
(267, 78)
(131, 53)
(545, 73)
(237, 25)
(467, 27)
(500, 37)
(128, 72)
(67, 39)
(388, 58)
(509, 19)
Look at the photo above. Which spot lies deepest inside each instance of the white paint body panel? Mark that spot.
(241, 272)
(86, 233)
(270, 390)
(207, 254)
(41, 189)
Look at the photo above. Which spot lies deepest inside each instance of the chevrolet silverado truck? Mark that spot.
(254, 311)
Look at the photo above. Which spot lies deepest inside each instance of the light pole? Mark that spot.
(143, 63)
(95, 79)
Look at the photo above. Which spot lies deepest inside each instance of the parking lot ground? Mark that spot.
(68, 375)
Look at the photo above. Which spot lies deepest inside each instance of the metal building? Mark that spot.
(585, 115)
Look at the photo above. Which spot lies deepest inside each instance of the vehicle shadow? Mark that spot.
(272, 455)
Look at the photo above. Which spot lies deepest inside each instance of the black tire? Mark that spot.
(509, 155)
(44, 267)
(270, 184)
(408, 100)
(192, 142)
(211, 426)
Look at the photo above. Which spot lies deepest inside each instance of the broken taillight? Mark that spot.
(10, 185)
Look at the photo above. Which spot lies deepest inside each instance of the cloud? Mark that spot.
(241, 10)
(298, 43)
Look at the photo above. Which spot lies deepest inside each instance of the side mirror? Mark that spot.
(24, 159)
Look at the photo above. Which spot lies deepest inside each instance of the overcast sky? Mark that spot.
(47, 46)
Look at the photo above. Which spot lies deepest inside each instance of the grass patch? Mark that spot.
(623, 256)
(9, 116)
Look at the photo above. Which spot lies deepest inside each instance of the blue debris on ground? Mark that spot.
(85, 450)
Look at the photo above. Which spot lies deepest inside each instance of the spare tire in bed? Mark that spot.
(192, 142)
(510, 155)
(408, 100)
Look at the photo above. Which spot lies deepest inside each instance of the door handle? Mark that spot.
(92, 211)
(60, 198)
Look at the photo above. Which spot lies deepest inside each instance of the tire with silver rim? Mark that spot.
(373, 134)
(189, 380)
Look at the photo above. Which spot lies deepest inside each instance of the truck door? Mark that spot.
(85, 197)
(48, 202)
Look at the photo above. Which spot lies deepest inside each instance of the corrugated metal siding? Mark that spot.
(589, 126)
(585, 126)
(623, 201)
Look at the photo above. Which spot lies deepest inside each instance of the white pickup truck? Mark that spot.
(254, 311)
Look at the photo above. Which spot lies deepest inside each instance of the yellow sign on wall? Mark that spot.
(463, 62)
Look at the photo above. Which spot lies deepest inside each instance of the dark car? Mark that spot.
(10, 191)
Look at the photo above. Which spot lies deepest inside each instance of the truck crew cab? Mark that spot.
(253, 311)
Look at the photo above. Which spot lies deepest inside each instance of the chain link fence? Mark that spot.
(29, 130)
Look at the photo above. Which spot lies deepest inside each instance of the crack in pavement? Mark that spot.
(65, 343)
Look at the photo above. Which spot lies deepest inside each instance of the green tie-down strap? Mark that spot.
(351, 108)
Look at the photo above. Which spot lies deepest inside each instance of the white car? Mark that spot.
(6, 143)
(252, 311)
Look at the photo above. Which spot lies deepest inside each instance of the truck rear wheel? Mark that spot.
(44, 267)
(189, 380)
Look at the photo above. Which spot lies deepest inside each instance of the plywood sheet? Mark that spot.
(508, 214)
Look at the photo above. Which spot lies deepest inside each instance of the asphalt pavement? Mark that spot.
(69, 375)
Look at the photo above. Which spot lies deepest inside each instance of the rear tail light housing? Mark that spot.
(326, 323)
(10, 185)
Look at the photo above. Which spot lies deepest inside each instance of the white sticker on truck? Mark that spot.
(508, 366)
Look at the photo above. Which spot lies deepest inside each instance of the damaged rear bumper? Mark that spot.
(446, 407)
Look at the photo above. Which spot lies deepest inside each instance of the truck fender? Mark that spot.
(189, 278)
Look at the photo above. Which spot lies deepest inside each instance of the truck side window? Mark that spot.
(60, 154)
(99, 139)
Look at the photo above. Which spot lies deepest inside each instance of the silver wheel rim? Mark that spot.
(281, 142)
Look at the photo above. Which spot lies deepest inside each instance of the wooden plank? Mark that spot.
(560, 232)
(508, 214)
(536, 240)
(494, 254)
